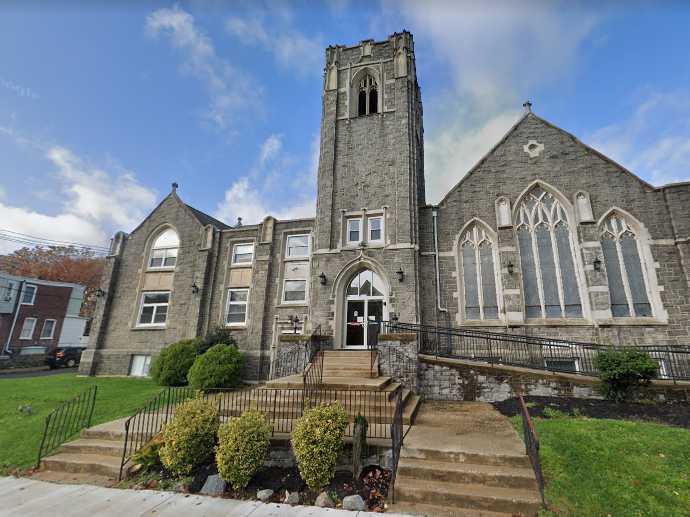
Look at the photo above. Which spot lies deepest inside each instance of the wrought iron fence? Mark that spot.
(534, 352)
(294, 361)
(532, 446)
(397, 437)
(149, 420)
(312, 378)
(66, 420)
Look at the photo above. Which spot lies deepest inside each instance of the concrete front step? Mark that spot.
(430, 510)
(94, 446)
(104, 465)
(332, 383)
(114, 430)
(468, 473)
(459, 456)
(472, 496)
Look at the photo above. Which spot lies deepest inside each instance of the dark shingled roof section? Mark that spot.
(207, 219)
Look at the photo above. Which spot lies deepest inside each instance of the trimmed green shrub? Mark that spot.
(242, 447)
(217, 336)
(624, 373)
(189, 437)
(171, 366)
(219, 367)
(317, 440)
(148, 457)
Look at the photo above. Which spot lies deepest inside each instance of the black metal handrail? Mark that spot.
(296, 360)
(535, 352)
(66, 420)
(532, 446)
(397, 437)
(149, 420)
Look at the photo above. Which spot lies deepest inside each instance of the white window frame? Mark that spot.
(287, 247)
(228, 303)
(33, 297)
(563, 359)
(11, 286)
(348, 221)
(146, 365)
(155, 310)
(52, 330)
(166, 252)
(33, 329)
(233, 260)
(476, 234)
(295, 302)
(381, 239)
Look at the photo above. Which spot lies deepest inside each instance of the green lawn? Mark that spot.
(20, 435)
(614, 467)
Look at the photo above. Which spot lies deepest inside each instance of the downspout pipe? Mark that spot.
(434, 215)
(20, 297)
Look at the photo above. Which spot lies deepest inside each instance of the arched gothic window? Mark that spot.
(164, 250)
(478, 275)
(546, 255)
(627, 286)
(368, 100)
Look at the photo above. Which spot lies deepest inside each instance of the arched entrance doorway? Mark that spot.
(365, 308)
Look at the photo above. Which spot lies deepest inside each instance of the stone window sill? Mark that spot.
(152, 327)
(626, 322)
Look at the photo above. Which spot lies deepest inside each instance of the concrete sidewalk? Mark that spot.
(26, 497)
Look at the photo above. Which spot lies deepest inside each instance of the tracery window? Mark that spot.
(478, 275)
(164, 250)
(627, 286)
(368, 100)
(547, 259)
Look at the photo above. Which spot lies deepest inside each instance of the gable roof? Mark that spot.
(523, 118)
(206, 219)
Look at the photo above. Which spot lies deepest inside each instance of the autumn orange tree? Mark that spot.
(59, 263)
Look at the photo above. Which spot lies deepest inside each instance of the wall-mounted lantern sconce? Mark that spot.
(195, 288)
(511, 268)
(322, 278)
(401, 275)
(597, 264)
(100, 293)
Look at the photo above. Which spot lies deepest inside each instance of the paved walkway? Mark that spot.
(26, 497)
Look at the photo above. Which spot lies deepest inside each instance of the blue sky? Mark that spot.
(103, 106)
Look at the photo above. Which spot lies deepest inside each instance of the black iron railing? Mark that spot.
(532, 446)
(556, 355)
(312, 378)
(397, 437)
(149, 420)
(66, 420)
(294, 361)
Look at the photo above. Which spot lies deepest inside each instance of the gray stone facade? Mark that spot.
(371, 171)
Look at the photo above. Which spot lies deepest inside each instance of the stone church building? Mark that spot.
(544, 236)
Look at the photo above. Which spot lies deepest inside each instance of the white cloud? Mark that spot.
(654, 141)
(276, 175)
(18, 89)
(228, 88)
(290, 47)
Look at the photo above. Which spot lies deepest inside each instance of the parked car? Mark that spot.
(68, 356)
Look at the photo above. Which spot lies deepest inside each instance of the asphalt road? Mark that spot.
(41, 373)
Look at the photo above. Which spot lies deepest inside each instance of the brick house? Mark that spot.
(38, 314)
(545, 236)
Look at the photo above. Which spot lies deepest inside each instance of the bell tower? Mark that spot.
(372, 139)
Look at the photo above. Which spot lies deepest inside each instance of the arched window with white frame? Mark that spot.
(164, 250)
(547, 257)
(620, 245)
(480, 300)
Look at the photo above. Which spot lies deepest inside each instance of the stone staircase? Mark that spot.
(464, 459)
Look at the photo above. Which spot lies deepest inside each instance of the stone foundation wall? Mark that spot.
(398, 358)
(282, 455)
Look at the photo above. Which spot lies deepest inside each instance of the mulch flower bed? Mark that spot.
(677, 414)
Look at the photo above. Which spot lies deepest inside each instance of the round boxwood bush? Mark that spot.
(171, 366)
(624, 373)
(317, 440)
(242, 447)
(219, 367)
(189, 438)
(217, 336)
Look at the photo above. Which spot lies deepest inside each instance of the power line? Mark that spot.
(22, 238)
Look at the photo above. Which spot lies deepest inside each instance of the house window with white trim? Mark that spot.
(48, 330)
(627, 285)
(153, 311)
(297, 246)
(236, 307)
(478, 275)
(29, 295)
(295, 291)
(546, 255)
(164, 250)
(139, 365)
(375, 225)
(242, 254)
(28, 328)
(354, 231)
